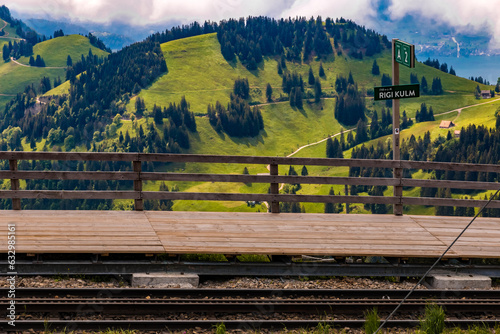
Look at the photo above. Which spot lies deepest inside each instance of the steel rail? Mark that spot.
(199, 293)
(234, 306)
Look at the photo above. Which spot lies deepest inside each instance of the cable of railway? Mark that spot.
(156, 309)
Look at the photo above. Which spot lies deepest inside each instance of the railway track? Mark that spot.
(157, 309)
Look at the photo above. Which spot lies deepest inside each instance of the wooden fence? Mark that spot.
(273, 197)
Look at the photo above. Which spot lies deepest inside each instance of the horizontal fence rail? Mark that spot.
(273, 179)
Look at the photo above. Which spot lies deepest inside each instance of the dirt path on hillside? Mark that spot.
(4, 25)
(7, 33)
(48, 67)
(459, 110)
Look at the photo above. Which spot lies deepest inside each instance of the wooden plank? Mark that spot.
(69, 194)
(449, 202)
(239, 233)
(369, 163)
(449, 184)
(268, 179)
(78, 156)
(58, 175)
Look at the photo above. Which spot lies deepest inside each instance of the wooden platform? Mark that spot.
(248, 233)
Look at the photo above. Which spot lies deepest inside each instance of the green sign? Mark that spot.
(396, 92)
(404, 53)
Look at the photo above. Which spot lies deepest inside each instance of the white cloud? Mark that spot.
(464, 15)
(356, 10)
(148, 11)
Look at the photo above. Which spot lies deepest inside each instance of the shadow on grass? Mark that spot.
(250, 141)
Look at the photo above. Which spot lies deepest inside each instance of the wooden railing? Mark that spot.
(273, 197)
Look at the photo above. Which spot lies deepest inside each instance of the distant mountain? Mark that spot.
(434, 39)
(111, 40)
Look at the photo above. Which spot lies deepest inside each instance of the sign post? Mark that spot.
(404, 54)
(396, 92)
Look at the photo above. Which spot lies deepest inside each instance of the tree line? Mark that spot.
(442, 67)
(350, 106)
(238, 119)
(294, 39)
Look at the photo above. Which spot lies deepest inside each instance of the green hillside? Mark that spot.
(15, 77)
(10, 34)
(55, 51)
(198, 71)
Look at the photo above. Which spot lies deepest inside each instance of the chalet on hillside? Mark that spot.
(457, 133)
(486, 94)
(446, 124)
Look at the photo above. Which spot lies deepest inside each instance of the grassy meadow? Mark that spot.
(55, 51)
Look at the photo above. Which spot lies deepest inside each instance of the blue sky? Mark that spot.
(464, 15)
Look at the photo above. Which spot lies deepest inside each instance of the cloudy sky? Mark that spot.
(462, 14)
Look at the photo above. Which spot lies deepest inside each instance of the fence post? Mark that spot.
(275, 205)
(347, 194)
(398, 191)
(139, 205)
(14, 185)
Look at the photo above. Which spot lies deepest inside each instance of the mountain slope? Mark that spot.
(198, 71)
(55, 51)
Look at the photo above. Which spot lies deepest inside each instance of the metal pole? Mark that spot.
(398, 190)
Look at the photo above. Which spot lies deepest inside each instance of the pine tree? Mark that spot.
(338, 149)
(423, 85)
(321, 70)
(39, 62)
(292, 97)
(69, 61)
(139, 106)
(304, 171)
(452, 71)
(269, 93)
(333, 207)
(437, 88)
(5, 52)
(361, 133)
(330, 151)
(157, 115)
(375, 68)
(386, 80)
(317, 91)
(298, 98)
(311, 79)
(330, 207)
(413, 78)
(374, 126)
(350, 80)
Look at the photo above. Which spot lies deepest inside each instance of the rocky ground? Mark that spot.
(232, 283)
